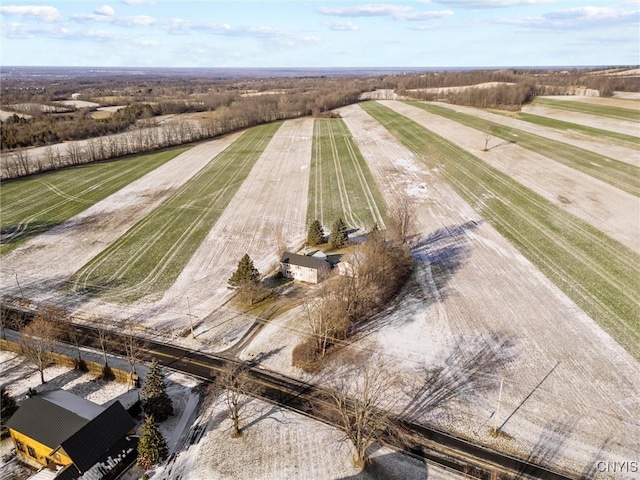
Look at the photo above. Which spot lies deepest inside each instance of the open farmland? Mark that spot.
(630, 112)
(620, 138)
(341, 184)
(150, 256)
(596, 272)
(479, 313)
(36, 204)
(619, 174)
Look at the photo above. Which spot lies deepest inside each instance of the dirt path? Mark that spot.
(49, 259)
(597, 145)
(604, 101)
(613, 211)
(605, 123)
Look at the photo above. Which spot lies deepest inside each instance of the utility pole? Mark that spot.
(495, 420)
(19, 286)
(193, 335)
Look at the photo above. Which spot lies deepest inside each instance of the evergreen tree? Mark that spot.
(338, 237)
(152, 448)
(316, 233)
(246, 275)
(8, 404)
(155, 400)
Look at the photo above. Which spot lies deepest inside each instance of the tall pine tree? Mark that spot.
(152, 448)
(246, 275)
(155, 400)
(8, 404)
(338, 237)
(316, 233)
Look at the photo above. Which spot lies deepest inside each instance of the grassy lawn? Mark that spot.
(598, 273)
(341, 184)
(614, 172)
(148, 258)
(631, 114)
(34, 204)
(625, 140)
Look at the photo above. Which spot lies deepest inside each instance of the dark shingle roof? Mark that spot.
(304, 261)
(45, 422)
(91, 442)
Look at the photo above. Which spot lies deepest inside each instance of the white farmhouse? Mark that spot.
(303, 267)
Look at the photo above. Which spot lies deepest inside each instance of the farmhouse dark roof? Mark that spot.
(304, 261)
(46, 422)
(84, 440)
(90, 443)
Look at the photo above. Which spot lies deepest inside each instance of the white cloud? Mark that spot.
(369, 10)
(347, 26)
(44, 13)
(21, 30)
(578, 18)
(105, 10)
(490, 3)
(397, 12)
(136, 20)
(138, 2)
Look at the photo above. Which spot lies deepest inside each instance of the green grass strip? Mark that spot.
(148, 258)
(598, 273)
(631, 114)
(620, 138)
(614, 172)
(341, 184)
(35, 204)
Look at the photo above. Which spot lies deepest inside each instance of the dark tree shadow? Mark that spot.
(438, 256)
(392, 466)
(470, 369)
(548, 447)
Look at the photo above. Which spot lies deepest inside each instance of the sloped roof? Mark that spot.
(304, 261)
(46, 422)
(91, 442)
(73, 403)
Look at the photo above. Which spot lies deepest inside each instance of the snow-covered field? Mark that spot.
(570, 394)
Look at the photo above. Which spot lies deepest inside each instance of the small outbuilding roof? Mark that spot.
(304, 261)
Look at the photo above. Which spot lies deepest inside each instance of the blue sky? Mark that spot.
(320, 33)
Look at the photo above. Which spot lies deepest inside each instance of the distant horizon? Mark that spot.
(317, 33)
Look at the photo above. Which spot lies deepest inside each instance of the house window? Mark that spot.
(20, 446)
(32, 452)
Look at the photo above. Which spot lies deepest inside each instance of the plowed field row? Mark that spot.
(151, 255)
(596, 272)
(632, 113)
(341, 184)
(630, 140)
(33, 205)
(621, 175)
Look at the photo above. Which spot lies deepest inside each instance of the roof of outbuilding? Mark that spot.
(304, 261)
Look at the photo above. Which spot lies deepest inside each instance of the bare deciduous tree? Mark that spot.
(234, 380)
(363, 406)
(402, 218)
(37, 341)
(134, 348)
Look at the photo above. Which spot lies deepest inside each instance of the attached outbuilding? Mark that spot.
(305, 268)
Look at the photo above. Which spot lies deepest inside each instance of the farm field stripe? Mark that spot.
(149, 257)
(621, 175)
(627, 140)
(341, 184)
(599, 274)
(35, 204)
(631, 114)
